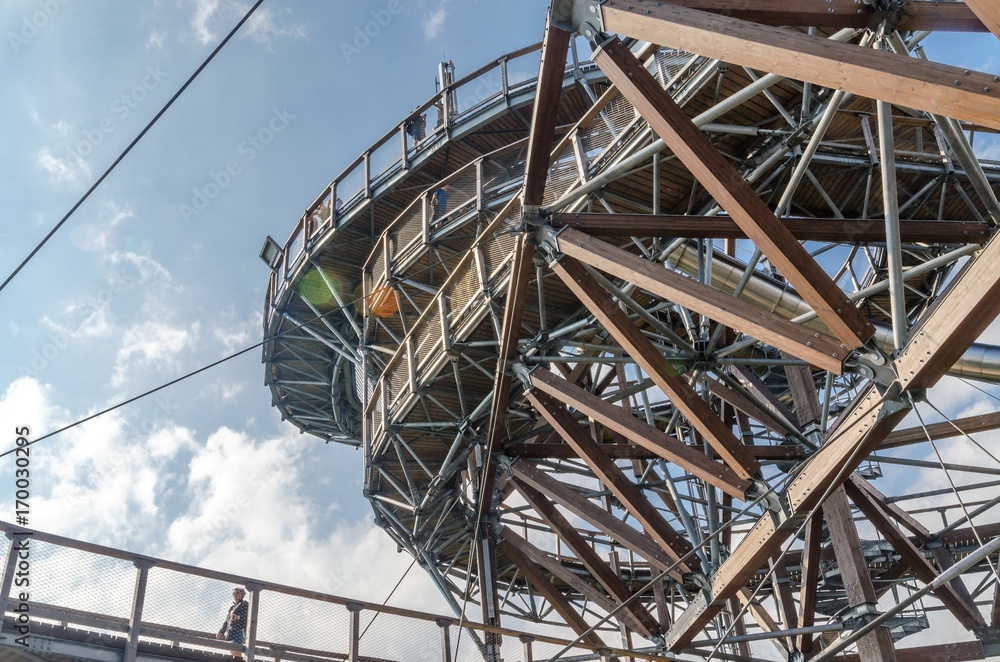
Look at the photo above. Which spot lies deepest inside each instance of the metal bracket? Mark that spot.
(547, 241)
(873, 364)
(531, 216)
(857, 617)
(523, 373)
(583, 16)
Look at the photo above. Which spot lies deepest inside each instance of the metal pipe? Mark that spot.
(890, 208)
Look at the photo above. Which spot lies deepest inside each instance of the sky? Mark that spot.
(158, 272)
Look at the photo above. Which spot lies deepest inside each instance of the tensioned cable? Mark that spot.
(132, 144)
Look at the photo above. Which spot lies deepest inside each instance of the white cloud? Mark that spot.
(262, 27)
(151, 344)
(155, 39)
(62, 171)
(434, 22)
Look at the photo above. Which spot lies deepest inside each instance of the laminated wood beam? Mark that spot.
(617, 530)
(860, 430)
(642, 621)
(866, 72)
(720, 178)
(641, 433)
(649, 358)
(945, 430)
(877, 645)
(551, 71)
(957, 652)
(810, 581)
(631, 497)
(953, 322)
(961, 606)
(513, 312)
(918, 14)
(848, 230)
(988, 12)
(804, 343)
(632, 451)
(544, 586)
(566, 575)
(748, 407)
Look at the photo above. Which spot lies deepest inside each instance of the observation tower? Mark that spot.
(652, 331)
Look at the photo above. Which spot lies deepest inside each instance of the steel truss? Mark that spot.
(654, 359)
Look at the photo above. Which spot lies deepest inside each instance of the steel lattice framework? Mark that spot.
(638, 337)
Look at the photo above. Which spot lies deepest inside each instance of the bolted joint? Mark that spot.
(523, 374)
(859, 616)
(583, 16)
(531, 216)
(873, 364)
(547, 242)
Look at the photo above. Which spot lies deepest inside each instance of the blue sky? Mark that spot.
(136, 289)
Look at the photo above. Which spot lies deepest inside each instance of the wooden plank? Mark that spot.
(957, 652)
(555, 597)
(763, 618)
(848, 230)
(953, 322)
(988, 12)
(552, 69)
(642, 621)
(631, 497)
(877, 645)
(918, 15)
(720, 178)
(945, 430)
(802, 342)
(747, 406)
(866, 72)
(810, 581)
(631, 538)
(639, 432)
(859, 431)
(891, 509)
(632, 451)
(781, 584)
(664, 375)
(562, 573)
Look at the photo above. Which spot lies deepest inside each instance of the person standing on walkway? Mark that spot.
(235, 626)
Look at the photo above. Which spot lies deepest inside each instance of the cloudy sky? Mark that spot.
(148, 280)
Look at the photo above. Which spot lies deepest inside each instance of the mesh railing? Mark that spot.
(87, 595)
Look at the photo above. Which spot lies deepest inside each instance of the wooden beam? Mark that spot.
(988, 13)
(866, 72)
(649, 358)
(631, 497)
(804, 343)
(877, 645)
(642, 621)
(945, 430)
(555, 597)
(641, 433)
(513, 311)
(551, 72)
(748, 406)
(953, 322)
(632, 451)
(918, 14)
(810, 581)
(720, 178)
(861, 428)
(559, 571)
(617, 530)
(848, 230)
(957, 652)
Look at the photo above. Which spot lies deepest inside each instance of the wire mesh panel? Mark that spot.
(181, 600)
(293, 621)
(392, 637)
(63, 577)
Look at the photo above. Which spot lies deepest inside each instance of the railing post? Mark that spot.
(480, 202)
(404, 161)
(425, 218)
(526, 642)
(504, 84)
(368, 175)
(333, 204)
(445, 625)
(446, 108)
(354, 631)
(18, 542)
(251, 640)
(138, 599)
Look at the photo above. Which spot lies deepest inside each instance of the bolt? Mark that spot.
(986, 89)
(957, 83)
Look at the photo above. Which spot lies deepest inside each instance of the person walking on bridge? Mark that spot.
(235, 626)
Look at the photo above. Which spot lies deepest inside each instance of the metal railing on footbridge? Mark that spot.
(65, 597)
(465, 104)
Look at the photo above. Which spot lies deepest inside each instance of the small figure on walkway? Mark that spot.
(439, 202)
(415, 127)
(235, 626)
